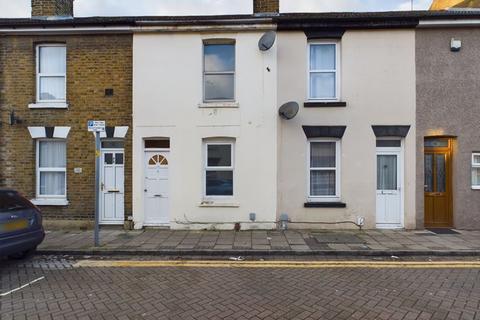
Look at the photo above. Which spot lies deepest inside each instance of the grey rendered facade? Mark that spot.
(448, 105)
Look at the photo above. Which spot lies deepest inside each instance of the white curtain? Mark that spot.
(52, 88)
(322, 57)
(52, 73)
(52, 155)
(322, 67)
(52, 60)
(52, 183)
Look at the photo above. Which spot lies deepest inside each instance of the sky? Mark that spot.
(21, 8)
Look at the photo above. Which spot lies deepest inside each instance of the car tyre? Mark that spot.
(22, 255)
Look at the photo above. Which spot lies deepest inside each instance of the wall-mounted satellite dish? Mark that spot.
(267, 40)
(289, 110)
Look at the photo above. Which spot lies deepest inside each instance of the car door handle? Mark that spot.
(158, 195)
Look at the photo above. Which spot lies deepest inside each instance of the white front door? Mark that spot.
(389, 191)
(112, 193)
(156, 193)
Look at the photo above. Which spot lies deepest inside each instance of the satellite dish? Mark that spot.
(267, 40)
(289, 110)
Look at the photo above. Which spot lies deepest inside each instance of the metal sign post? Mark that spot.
(97, 127)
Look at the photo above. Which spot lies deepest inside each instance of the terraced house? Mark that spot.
(56, 73)
(318, 120)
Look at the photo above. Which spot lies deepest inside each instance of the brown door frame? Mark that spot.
(448, 151)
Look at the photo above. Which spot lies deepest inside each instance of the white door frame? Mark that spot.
(399, 151)
(100, 189)
(153, 150)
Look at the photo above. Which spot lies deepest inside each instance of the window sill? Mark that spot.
(476, 188)
(50, 202)
(220, 104)
(48, 105)
(324, 104)
(325, 205)
(216, 204)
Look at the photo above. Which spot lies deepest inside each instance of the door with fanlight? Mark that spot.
(389, 184)
(112, 191)
(156, 192)
(438, 182)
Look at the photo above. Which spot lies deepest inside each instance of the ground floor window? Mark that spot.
(51, 169)
(219, 169)
(476, 170)
(323, 169)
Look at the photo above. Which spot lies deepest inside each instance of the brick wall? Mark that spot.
(266, 6)
(94, 62)
(52, 8)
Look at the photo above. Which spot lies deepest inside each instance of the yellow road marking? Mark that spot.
(279, 264)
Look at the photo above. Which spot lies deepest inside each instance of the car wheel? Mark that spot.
(22, 255)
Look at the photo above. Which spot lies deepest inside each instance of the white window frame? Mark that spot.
(475, 166)
(208, 42)
(40, 75)
(336, 71)
(39, 170)
(337, 196)
(229, 168)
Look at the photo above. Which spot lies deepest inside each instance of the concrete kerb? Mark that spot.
(258, 253)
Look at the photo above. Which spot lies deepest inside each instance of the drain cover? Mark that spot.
(337, 238)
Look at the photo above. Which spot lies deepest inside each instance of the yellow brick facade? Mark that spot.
(94, 63)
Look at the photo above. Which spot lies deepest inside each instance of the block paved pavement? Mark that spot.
(156, 240)
(72, 292)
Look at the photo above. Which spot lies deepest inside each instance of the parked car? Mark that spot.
(21, 229)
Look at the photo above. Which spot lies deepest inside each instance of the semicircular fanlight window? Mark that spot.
(158, 160)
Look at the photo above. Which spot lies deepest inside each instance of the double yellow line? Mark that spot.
(278, 264)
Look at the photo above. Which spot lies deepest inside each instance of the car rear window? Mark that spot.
(11, 201)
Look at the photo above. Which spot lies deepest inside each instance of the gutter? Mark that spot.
(138, 29)
(439, 23)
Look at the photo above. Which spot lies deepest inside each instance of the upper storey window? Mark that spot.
(219, 71)
(324, 71)
(51, 73)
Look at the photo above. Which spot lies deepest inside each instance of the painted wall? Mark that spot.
(167, 96)
(378, 84)
(448, 104)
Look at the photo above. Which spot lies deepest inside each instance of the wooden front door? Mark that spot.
(438, 182)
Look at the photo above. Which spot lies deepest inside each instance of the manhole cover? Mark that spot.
(337, 238)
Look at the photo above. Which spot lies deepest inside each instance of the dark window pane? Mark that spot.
(157, 144)
(428, 173)
(219, 57)
(219, 183)
(436, 142)
(322, 183)
(386, 172)
(322, 154)
(219, 155)
(108, 158)
(389, 143)
(441, 172)
(112, 144)
(219, 87)
(118, 158)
